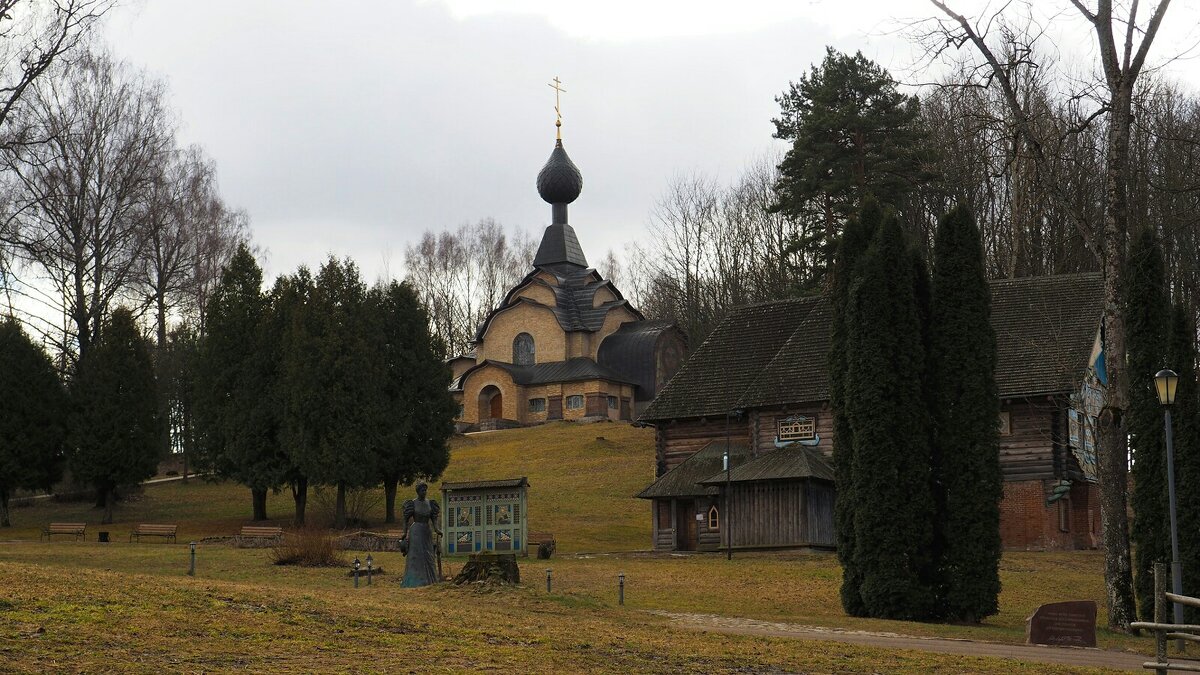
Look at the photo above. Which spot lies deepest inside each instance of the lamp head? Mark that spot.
(1165, 383)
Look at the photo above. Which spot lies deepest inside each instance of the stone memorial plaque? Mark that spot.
(1063, 624)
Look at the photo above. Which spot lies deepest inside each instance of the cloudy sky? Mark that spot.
(351, 127)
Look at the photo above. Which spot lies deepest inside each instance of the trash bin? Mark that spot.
(103, 538)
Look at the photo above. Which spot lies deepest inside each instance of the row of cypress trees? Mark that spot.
(915, 404)
(105, 427)
(1160, 334)
(320, 381)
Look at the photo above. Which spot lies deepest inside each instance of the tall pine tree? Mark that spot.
(237, 427)
(33, 421)
(285, 333)
(1147, 313)
(965, 407)
(115, 426)
(885, 400)
(854, 242)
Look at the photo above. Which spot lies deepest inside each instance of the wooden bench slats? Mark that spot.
(74, 529)
(152, 530)
(258, 532)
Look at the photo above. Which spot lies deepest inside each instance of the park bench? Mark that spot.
(259, 533)
(149, 530)
(74, 529)
(545, 543)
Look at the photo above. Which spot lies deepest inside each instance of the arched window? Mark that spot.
(524, 353)
(714, 518)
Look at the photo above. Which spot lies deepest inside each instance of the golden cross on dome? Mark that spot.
(557, 87)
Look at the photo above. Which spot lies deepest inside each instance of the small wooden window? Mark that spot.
(1004, 424)
(574, 402)
(714, 518)
(613, 402)
(537, 405)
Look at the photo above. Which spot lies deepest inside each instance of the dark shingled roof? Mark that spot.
(574, 370)
(574, 296)
(796, 461)
(631, 351)
(684, 480)
(482, 484)
(560, 245)
(774, 354)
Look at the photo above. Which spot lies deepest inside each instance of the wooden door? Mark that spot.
(685, 525)
(497, 406)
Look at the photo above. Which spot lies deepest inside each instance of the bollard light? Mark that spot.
(192, 567)
(621, 588)
(547, 579)
(368, 569)
(357, 564)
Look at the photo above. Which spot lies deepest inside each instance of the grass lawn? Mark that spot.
(88, 606)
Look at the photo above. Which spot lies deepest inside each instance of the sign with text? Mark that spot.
(1063, 624)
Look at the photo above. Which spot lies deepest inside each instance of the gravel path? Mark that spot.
(1096, 658)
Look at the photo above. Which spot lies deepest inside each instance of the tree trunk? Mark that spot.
(110, 499)
(101, 496)
(1114, 452)
(259, 498)
(4, 522)
(339, 515)
(300, 496)
(389, 498)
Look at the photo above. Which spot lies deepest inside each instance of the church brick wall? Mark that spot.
(481, 379)
(539, 321)
(538, 293)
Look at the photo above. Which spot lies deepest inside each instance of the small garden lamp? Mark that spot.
(192, 567)
(369, 565)
(1165, 383)
(357, 565)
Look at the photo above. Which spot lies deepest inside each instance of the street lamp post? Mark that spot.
(1165, 383)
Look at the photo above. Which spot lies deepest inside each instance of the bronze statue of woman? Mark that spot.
(420, 521)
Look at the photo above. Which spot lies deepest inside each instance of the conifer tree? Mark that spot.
(854, 242)
(1181, 357)
(333, 403)
(965, 407)
(884, 390)
(1147, 314)
(33, 417)
(115, 433)
(236, 418)
(284, 335)
(418, 410)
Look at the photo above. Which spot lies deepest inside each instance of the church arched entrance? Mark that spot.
(491, 403)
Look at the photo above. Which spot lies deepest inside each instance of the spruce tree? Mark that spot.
(418, 410)
(965, 409)
(237, 424)
(1147, 312)
(334, 407)
(115, 434)
(33, 420)
(854, 242)
(1181, 357)
(284, 335)
(884, 390)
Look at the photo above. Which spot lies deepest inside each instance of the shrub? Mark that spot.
(308, 547)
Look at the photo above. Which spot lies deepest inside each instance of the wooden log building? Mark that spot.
(759, 386)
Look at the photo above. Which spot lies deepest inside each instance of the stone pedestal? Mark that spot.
(493, 568)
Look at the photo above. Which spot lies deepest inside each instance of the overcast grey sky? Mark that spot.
(351, 127)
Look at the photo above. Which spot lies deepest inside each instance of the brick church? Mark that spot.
(564, 343)
(757, 390)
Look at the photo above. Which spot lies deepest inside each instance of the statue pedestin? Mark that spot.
(491, 568)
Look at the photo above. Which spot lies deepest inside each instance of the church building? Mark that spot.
(564, 343)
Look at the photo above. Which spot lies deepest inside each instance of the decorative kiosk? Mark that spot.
(485, 515)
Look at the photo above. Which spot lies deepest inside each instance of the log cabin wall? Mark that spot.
(680, 439)
(769, 513)
(1028, 451)
(764, 424)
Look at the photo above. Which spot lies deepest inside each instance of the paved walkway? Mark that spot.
(1096, 658)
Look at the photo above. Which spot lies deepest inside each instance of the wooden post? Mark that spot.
(1160, 614)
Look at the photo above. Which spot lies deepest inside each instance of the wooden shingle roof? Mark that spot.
(775, 354)
(797, 461)
(684, 480)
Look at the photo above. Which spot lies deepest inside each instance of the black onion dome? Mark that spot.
(559, 182)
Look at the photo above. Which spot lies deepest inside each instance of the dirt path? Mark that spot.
(1096, 658)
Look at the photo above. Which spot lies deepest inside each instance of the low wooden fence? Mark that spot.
(1164, 632)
